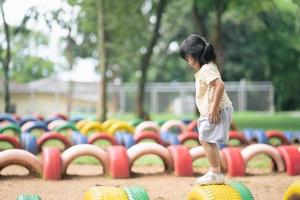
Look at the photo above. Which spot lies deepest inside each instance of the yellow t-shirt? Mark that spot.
(205, 92)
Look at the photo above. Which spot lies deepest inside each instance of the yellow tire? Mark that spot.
(108, 123)
(81, 123)
(120, 126)
(293, 191)
(91, 126)
(105, 193)
(213, 192)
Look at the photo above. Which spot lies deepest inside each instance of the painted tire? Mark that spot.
(102, 136)
(28, 197)
(128, 140)
(183, 137)
(81, 123)
(52, 164)
(88, 127)
(260, 136)
(56, 123)
(118, 162)
(291, 157)
(11, 140)
(173, 139)
(147, 125)
(139, 136)
(136, 193)
(255, 149)
(182, 160)
(8, 118)
(29, 126)
(192, 126)
(249, 134)
(141, 149)
(29, 143)
(119, 137)
(296, 138)
(51, 119)
(238, 136)
(105, 193)
(165, 137)
(234, 161)
(213, 192)
(279, 135)
(20, 157)
(84, 150)
(26, 119)
(179, 125)
(293, 191)
(120, 126)
(12, 127)
(244, 192)
(106, 124)
(289, 135)
(50, 136)
(65, 126)
(79, 139)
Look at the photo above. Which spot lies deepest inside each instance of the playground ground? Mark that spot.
(160, 186)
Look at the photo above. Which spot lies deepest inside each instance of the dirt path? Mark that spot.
(159, 186)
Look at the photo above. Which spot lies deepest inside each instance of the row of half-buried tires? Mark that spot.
(117, 161)
(30, 143)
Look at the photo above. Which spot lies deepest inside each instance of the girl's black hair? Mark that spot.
(198, 48)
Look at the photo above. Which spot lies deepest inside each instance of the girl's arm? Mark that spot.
(214, 115)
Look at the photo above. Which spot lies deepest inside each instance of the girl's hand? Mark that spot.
(214, 116)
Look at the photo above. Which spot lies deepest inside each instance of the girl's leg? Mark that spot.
(212, 154)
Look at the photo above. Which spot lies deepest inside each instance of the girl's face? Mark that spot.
(192, 62)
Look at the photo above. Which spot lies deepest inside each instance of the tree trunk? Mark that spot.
(217, 30)
(6, 63)
(101, 107)
(199, 19)
(145, 60)
(70, 59)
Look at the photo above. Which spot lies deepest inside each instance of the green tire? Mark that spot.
(242, 189)
(28, 197)
(136, 193)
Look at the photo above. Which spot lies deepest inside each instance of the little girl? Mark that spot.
(212, 102)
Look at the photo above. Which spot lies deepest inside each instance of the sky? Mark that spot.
(15, 11)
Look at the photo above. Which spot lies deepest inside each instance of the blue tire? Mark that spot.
(30, 143)
(221, 145)
(173, 139)
(289, 135)
(249, 134)
(261, 136)
(80, 139)
(119, 137)
(128, 140)
(165, 136)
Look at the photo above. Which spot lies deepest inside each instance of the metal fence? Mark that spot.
(179, 98)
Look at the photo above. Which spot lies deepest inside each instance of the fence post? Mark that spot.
(242, 95)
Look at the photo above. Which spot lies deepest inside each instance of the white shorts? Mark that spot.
(216, 133)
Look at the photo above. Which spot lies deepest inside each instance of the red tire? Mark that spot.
(234, 161)
(51, 136)
(52, 164)
(84, 150)
(141, 149)
(118, 162)
(255, 149)
(182, 160)
(183, 137)
(102, 136)
(20, 157)
(291, 157)
(11, 140)
(192, 126)
(238, 136)
(279, 135)
(148, 135)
